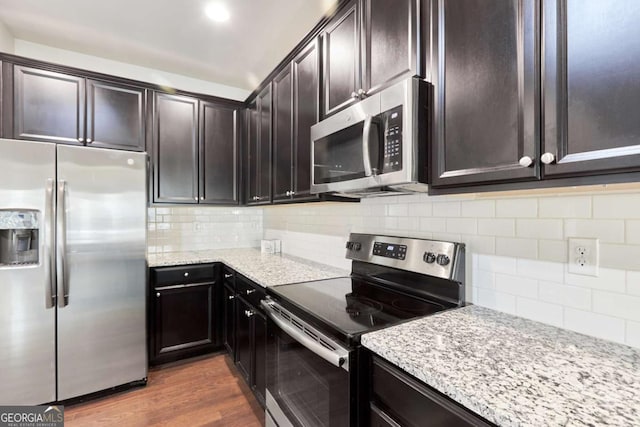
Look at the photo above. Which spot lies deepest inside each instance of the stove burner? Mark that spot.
(360, 306)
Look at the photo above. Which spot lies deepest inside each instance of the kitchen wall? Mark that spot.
(7, 41)
(177, 229)
(121, 69)
(516, 247)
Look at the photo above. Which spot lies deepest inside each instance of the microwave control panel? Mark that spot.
(392, 160)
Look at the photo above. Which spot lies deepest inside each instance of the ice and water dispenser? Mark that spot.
(19, 233)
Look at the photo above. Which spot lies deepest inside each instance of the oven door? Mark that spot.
(308, 378)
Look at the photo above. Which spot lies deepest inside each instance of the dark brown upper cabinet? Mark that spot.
(591, 87)
(367, 46)
(295, 110)
(259, 150)
(175, 149)
(68, 109)
(219, 153)
(195, 151)
(485, 74)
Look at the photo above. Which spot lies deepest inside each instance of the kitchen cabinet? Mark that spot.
(367, 46)
(259, 149)
(486, 105)
(195, 151)
(400, 400)
(184, 312)
(295, 110)
(70, 109)
(251, 335)
(229, 312)
(591, 87)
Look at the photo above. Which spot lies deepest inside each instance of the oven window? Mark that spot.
(339, 156)
(309, 390)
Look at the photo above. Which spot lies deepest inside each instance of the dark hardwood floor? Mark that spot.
(205, 391)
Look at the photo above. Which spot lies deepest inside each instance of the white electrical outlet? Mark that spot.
(584, 256)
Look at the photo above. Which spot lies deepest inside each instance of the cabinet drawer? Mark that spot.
(183, 274)
(411, 403)
(229, 277)
(250, 291)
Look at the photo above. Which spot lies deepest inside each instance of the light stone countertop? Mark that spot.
(264, 269)
(516, 372)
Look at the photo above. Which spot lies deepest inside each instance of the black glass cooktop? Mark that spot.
(352, 305)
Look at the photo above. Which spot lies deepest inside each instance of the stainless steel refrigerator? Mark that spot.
(72, 270)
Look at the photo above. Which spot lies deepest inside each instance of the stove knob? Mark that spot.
(357, 246)
(429, 257)
(349, 245)
(443, 260)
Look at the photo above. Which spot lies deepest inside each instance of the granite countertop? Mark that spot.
(516, 372)
(264, 269)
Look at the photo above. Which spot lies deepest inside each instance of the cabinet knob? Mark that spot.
(186, 274)
(292, 193)
(195, 198)
(201, 197)
(89, 140)
(228, 276)
(362, 93)
(547, 158)
(158, 295)
(525, 161)
(248, 313)
(250, 291)
(232, 297)
(81, 139)
(354, 95)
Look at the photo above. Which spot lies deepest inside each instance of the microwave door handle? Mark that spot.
(366, 154)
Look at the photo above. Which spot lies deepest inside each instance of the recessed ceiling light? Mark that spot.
(217, 12)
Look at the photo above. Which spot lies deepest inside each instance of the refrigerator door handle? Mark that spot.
(49, 239)
(61, 252)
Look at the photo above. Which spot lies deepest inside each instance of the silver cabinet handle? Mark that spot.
(354, 95)
(250, 291)
(49, 255)
(248, 313)
(158, 295)
(61, 232)
(362, 93)
(547, 158)
(186, 274)
(366, 156)
(231, 297)
(188, 285)
(288, 193)
(228, 276)
(525, 161)
(292, 193)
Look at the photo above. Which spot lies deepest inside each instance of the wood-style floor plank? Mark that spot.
(206, 391)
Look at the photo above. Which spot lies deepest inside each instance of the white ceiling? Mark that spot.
(171, 35)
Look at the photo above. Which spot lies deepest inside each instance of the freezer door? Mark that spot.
(102, 214)
(27, 312)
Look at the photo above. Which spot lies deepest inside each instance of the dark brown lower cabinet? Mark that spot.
(244, 340)
(260, 356)
(183, 313)
(229, 321)
(400, 400)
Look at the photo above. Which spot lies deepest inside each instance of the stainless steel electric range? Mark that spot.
(316, 370)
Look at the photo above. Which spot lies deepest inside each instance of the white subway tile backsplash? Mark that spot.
(520, 248)
(495, 300)
(566, 295)
(608, 279)
(616, 206)
(446, 209)
(618, 305)
(565, 207)
(540, 311)
(433, 224)
(597, 325)
(542, 270)
(497, 227)
(483, 279)
(516, 285)
(478, 208)
(611, 231)
(539, 228)
(498, 264)
(517, 208)
(462, 225)
(633, 283)
(552, 250)
(633, 334)
(401, 209)
(633, 231)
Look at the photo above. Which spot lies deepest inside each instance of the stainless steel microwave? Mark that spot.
(375, 147)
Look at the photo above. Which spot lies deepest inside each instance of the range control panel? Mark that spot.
(390, 250)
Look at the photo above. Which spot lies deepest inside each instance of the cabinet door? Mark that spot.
(305, 114)
(218, 154)
(260, 355)
(486, 91)
(229, 313)
(264, 148)
(175, 149)
(244, 340)
(282, 135)
(341, 59)
(591, 86)
(115, 116)
(390, 42)
(48, 106)
(253, 144)
(184, 318)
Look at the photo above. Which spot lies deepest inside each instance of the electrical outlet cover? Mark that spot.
(584, 256)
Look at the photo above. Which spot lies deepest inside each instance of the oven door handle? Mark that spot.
(336, 358)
